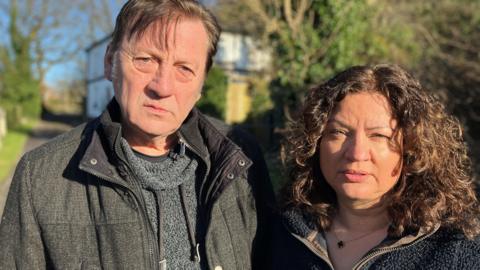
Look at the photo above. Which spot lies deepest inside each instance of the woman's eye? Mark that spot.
(381, 136)
(337, 132)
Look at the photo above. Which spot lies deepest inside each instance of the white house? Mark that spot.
(99, 89)
(239, 53)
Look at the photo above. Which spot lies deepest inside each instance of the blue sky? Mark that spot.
(70, 69)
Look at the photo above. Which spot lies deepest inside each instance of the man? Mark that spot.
(152, 183)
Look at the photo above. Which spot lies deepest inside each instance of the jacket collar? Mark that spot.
(190, 132)
(193, 131)
(223, 157)
(209, 142)
(110, 128)
(301, 225)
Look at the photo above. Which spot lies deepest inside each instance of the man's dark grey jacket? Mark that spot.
(73, 203)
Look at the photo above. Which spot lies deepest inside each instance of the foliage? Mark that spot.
(450, 32)
(260, 93)
(312, 40)
(60, 30)
(39, 36)
(234, 16)
(214, 93)
(67, 98)
(260, 119)
(13, 144)
(277, 171)
(20, 90)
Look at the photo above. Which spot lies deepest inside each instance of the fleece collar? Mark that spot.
(301, 225)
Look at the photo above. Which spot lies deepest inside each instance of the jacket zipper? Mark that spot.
(153, 247)
(207, 171)
(202, 205)
(143, 214)
(182, 139)
(380, 251)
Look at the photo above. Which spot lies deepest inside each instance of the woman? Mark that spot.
(380, 180)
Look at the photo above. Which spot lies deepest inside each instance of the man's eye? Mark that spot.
(145, 64)
(143, 60)
(186, 69)
(185, 73)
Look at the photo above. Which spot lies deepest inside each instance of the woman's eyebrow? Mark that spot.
(380, 127)
(345, 125)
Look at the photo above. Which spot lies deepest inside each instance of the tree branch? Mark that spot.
(271, 24)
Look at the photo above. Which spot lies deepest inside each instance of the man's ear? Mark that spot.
(108, 63)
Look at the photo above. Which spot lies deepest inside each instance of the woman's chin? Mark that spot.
(356, 198)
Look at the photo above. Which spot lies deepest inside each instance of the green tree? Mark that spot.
(44, 34)
(450, 66)
(214, 93)
(20, 92)
(312, 40)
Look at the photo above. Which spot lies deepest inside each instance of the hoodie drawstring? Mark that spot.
(193, 245)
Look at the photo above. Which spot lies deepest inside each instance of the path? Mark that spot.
(46, 129)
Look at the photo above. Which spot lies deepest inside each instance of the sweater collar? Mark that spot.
(207, 138)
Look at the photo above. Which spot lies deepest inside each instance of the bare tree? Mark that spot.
(60, 30)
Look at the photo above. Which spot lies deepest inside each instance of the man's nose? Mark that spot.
(358, 148)
(162, 82)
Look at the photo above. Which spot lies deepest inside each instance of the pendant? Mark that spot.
(340, 244)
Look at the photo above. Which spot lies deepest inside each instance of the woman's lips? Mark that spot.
(355, 176)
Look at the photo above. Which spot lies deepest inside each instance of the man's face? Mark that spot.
(158, 80)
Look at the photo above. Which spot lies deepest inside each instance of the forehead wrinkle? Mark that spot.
(338, 121)
(342, 115)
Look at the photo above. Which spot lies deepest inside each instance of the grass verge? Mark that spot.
(12, 146)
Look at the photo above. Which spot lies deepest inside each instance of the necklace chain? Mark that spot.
(341, 243)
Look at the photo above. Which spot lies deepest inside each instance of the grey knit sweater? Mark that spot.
(161, 180)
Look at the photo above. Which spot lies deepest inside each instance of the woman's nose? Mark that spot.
(358, 148)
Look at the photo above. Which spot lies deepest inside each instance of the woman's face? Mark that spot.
(359, 157)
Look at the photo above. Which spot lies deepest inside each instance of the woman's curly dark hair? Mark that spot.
(435, 185)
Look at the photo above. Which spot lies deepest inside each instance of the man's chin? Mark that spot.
(151, 130)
